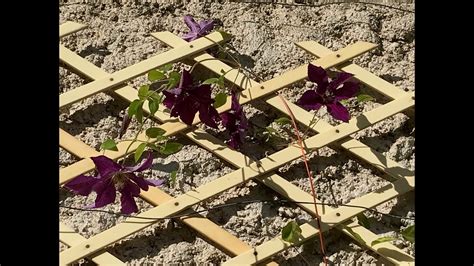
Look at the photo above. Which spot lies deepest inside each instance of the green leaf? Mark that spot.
(220, 99)
(153, 105)
(155, 96)
(173, 177)
(139, 151)
(283, 121)
(134, 106)
(143, 92)
(170, 148)
(166, 67)
(155, 75)
(174, 78)
(154, 132)
(109, 144)
(291, 232)
(153, 146)
(409, 233)
(271, 130)
(220, 82)
(139, 113)
(382, 239)
(225, 35)
(362, 220)
(211, 81)
(364, 98)
(354, 234)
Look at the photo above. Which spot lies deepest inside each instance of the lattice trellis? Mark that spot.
(246, 168)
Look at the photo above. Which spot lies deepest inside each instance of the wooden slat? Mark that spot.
(138, 69)
(230, 180)
(69, 27)
(369, 79)
(173, 126)
(339, 215)
(357, 148)
(69, 237)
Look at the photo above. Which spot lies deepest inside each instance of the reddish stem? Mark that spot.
(310, 176)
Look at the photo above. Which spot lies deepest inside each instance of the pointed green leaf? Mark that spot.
(291, 232)
(154, 132)
(153, 146)
(354, 234)
(153, 106)
(134, 106)
(220, 82)
(139, 113)
(174, 78)
(382, 239)
(143, 92)
(139, 151)
(220, 99)
(109, 144)
(211, 81)
(409, 233)
(364, 98)
(170, 148)
(173, 177)
(155, 75)
(362, 220)
(166, 67)
(283, 121)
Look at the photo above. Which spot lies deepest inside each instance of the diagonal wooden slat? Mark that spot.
(173, 126)
(204, 139)
(69, 237)
(340, 214)
(138, 69)
(390, 252)
(70, 27)
(230, 180)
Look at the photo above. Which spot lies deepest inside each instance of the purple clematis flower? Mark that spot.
(186, 100)
(329, 93)
(112, 177)
(235, 122)
(197, 29)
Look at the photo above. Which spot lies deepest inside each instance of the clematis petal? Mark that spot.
(139, 181)
(129, 191)
(310, 100)
(154, 182)
(105, 193)
(340, 79)
(227, 119)
(105, 166)
(189, 36)
(145, 164)
(338, 111)
(206, 26)
(208, 115)
(82, 184)
(170, 99)
(348, 90)
(192, 25)
(319, 75)
(187, 109)
(186, 80)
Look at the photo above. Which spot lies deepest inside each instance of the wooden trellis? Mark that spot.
(246, 168)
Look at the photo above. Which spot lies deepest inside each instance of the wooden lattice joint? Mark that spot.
(248, 169)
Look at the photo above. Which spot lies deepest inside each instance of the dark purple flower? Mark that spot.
(111, 177)
(235, 122)
(197, 29)
(186, 100)
(329, 93)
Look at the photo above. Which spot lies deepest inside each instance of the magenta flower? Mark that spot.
(329, 93)
(112, 177)
(186, 100)
(197, 29)
(235, 122)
